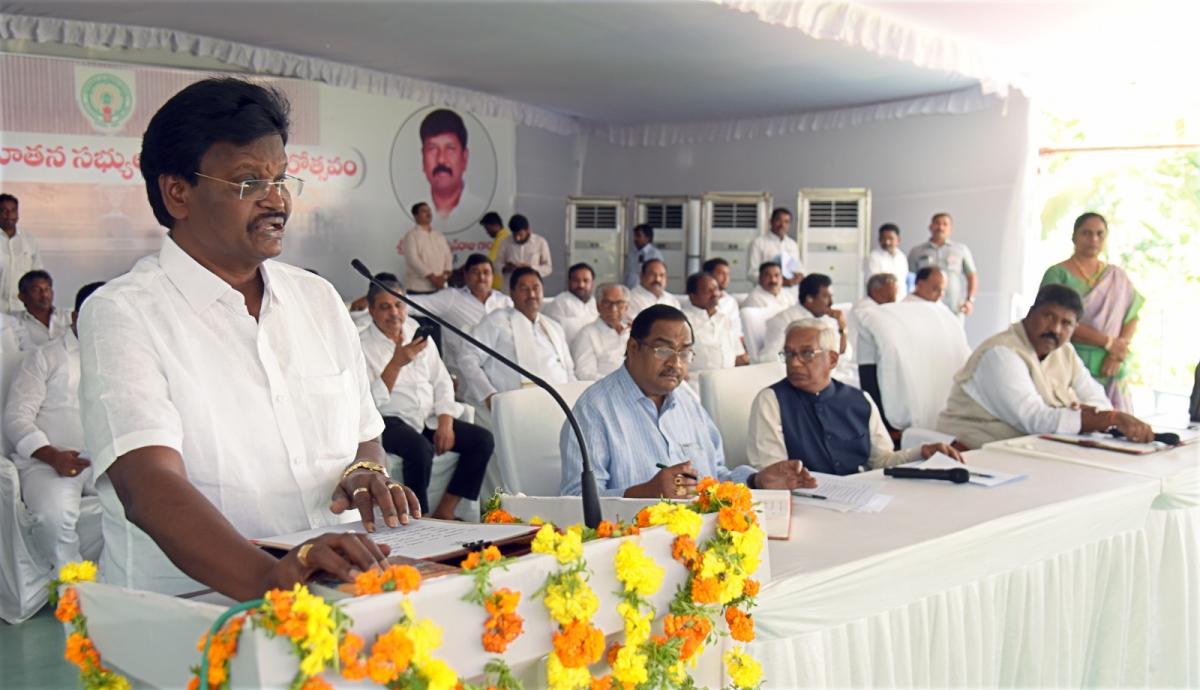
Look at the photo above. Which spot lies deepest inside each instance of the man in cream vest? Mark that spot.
(1028, 380)
(520, 333)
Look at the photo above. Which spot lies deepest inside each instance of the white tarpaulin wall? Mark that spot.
(70, 134)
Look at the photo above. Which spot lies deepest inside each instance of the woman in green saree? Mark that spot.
(1110, 306)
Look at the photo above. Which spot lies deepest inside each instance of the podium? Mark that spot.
(151, 638)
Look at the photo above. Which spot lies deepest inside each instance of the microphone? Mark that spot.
(591, 496)
(958, 475)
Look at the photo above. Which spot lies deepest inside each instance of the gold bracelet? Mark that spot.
(365, 465)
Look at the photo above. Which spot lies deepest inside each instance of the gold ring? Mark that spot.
(678, 480)
(358, 491)
(394, 485)
(302, 554)
(680, 491)
(73, 471)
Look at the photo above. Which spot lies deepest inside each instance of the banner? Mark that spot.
(70, 144)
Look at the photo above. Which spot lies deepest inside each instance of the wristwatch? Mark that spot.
(365, 465)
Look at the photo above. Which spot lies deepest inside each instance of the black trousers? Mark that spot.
(473, 444)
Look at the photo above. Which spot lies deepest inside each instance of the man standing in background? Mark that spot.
(427, 256)
(643, 250)
(524, 249)
(888, 257)
(955, 260)
(495, 229)
(18, 254)
(779, 247)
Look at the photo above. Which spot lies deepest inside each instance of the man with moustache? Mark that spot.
(1029, 380)
(728, 305)
(599, 348)
(18, 254)
(929, 287)
(576, 307)
(816, 302)
(427, 255)
(652, 289)
(636, 417)
(717, 343)
(778, 246)
(888, 257)
(444, 159)
(224, 394)
(953, 258)
(769, 293)
(466, 306)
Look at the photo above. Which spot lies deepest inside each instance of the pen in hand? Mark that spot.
(692, 477)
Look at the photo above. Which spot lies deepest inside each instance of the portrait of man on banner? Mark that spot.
(457, 167)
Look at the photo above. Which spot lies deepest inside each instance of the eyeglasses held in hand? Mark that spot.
(257, 190)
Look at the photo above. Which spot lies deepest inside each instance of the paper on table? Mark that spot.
(941, 461)
(840, 494)
(425, 538)
(775, 509)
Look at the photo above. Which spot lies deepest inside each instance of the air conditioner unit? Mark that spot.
(596, 234)
(671, 218)
(834, 234)
(731, 221)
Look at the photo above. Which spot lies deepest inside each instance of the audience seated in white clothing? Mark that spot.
(522, 334)
(652, 289)
(576, 307)
(599, 347)
(769, 293)
(728, 305)
(40, 319)
(464, 307)
(816, 301)
(882, 288)
(43, 421)
(716, 342)
(415, 395)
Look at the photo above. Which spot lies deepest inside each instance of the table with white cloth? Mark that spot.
(1050, 581)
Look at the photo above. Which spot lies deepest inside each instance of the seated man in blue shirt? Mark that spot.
(635, 419)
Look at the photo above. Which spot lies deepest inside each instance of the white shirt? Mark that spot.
(1002, 386)
(640, 298)
(769, 247)
(18, 255)
(766, 445)
(43, 402)
(716, 344)
(777, 331)
(40, 334)
(461, 309)
(266, 414)
(864, 346)
(763, 299)
(422, 390)
(598, 350)
(534, 252)
(570, 313)
(483, 375)
(465, 215)
(728, 305)
(882, 261)
(914, 297)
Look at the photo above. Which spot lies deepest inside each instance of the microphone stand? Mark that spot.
(591, 496)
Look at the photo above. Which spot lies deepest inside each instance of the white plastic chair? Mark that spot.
(526, 424)
(754, 330)
(727, 394)
(919, 347)
(439, 478)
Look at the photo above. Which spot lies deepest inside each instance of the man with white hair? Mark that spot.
(652, 289)
(599, 348)
(827, 425)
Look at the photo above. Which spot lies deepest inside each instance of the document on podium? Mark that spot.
(426, 538)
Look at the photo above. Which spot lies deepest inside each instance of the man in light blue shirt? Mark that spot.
(636, 418)
(643, 250)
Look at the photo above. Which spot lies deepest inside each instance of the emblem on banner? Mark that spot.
(106, 99)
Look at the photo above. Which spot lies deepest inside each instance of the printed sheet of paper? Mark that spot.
(941, 461)
(425, 538)
(841, 494)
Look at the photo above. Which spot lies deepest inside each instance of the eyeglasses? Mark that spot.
(804, 355)
(257, 190)
(664, 353)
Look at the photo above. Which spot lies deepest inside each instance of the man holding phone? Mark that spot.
(415, 395)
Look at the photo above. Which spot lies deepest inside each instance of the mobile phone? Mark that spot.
(425, 331)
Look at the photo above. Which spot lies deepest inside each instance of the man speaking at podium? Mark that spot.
(224, 394)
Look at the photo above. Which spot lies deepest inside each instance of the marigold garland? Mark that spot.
(504, 624)
(79, 648)
(571, 603)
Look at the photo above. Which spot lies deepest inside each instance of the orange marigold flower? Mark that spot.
(194, 683)
(734, 521)
(280, 602)
(604, 682)
(350, 648)
(316, 683)
(369, 582)
(80, 652)
(643, 517)
(491, 554)
(578, 644)
(499, 516)
(405, 578)
(502, 601)
(750, 587)
(706, 590)
(605, 529)
(741, 624)
(683, 549)
(390, 656)
(693, 630)
(68, 606)
(500, 631)
(735, 496)
(611, 656)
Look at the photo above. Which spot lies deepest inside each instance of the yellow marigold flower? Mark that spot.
(81, 571)
(560, 677)
(536, 521)
(426, 636)
(546, 540)
(571, 600)
(730, 588)
(639, 573)
(637, 624)
(743, 670)
(712, 564)
(439, 675)
(630, 667)
(683, 520)
(570, 546)
(677, 672)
